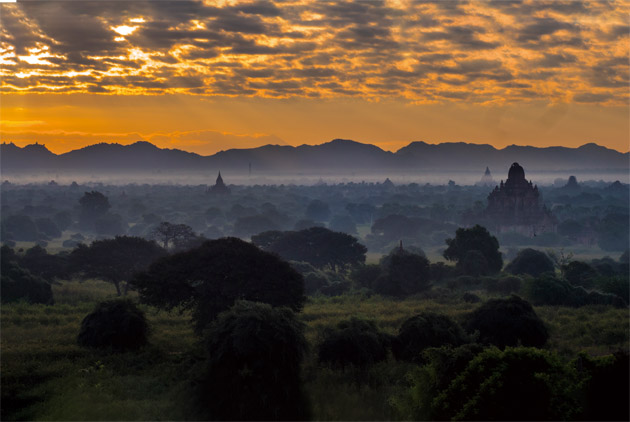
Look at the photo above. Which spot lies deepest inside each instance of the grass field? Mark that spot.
(47, 376)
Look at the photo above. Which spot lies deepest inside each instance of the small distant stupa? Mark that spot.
(219, 187)
(486, 179)
(388, 183)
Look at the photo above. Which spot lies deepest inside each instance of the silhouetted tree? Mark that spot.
(172, 235)
(476, 238)
(507, 322)
(19, 284)
(264, 240)
(210, 278)
(115, 260)
(366, 275)
(48, 266)
(530, 261)
(514, 384)
(253, 368)
(343, 223)
(321, 248)
(110, 225)
(93, 205)
(403, 273)
(606, 388)
(19, 227)
(317, 210)
(116, 325)
(441, 365)
(580, 273)
(48, 227)
(355, 341)
(246, 226)
(427, 329)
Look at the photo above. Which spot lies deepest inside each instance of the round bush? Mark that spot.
(114, 324)
(506, 322)
(530, 261)
(253, 368)
(353, 342)
(425, 330)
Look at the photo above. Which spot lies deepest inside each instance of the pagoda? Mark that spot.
(516, 206)
(219, 187)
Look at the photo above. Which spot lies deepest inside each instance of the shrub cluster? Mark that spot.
(116, 325)
(427, 329)
(254, 353)
(507, 322)
(355, 342)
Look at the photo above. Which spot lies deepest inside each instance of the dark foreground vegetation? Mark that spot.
(307, 322)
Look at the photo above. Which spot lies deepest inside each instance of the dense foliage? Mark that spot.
(115, 260)
(210, 278)
(19, 284)
(252, 372)
(516, 383)
(425, 330)
(118, 325)
(320, 247)
(530, 261)
(478, 239)
(356, 342)
(507, 322)
(403, 273)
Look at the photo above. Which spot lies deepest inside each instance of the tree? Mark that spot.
(48, 227)
(210, 278)
(476, 238)
(395, 227)
(264, 240)
(110, 225)
(19, 227)
(16, 283)
(114, 324)
(353, 342)
(606, 388)
(254, 354)
(343, 223)
(427, 329)
(403, 273)
(115, 260)
(579, 273)
(530, 261)
(93, 205)
(320, 247)
(441, 365)
(172, 235)
(246, 226)
(507, 322)
(513, 384)
(317, 210)
(42, 264)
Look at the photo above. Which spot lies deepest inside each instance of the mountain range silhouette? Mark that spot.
(339, 155)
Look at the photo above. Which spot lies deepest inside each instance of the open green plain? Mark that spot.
(45, 375)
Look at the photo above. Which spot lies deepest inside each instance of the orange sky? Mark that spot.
(207, 76)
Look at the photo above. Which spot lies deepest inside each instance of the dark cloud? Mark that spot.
(556, 60)
(543, 26)
(433, 50)
(463, 36)
(591, 97)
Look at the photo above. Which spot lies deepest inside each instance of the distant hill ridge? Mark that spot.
(338, 155)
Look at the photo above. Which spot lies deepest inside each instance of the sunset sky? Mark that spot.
(207, 76)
